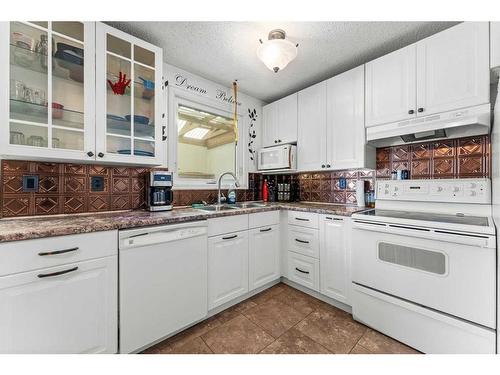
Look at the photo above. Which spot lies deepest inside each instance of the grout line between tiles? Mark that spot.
(208, 346)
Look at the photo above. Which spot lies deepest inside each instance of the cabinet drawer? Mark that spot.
(304, 241)
(227, 224)
(303, 270)
(304, 219)
(22, 256)
(262, 219)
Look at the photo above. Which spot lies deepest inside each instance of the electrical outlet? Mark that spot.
(30, 184)
(342, 183)
(97, 183)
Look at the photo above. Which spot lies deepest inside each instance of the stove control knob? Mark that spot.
(472, 185)
(456, 189)
(439, 189)
(472, 193)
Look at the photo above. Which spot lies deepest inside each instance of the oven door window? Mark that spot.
(412, 257)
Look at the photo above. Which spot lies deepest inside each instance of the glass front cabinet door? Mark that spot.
(79, 91)
(47, 70)
(129, 93)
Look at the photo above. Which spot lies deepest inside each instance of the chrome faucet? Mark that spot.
(236, 183)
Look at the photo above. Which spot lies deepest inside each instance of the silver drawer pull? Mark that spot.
(230, 237)
(265, 230)
(301, 241)
(301, 271)
(58, 273)
(334, 218)
(57, 252)
(301, 219)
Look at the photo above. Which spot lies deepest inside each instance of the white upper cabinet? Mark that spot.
(391, 87)
(444, 72)
(280, 121)
(270, 125)
(287, 119)
(494, 44)
(47, 97)
(129, 118)
(311, 143)
(346, 146)
(453, 69)
(58, 104)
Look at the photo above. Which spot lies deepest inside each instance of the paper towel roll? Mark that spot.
(360, 193)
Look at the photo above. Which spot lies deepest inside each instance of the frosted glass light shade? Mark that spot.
(276, 54)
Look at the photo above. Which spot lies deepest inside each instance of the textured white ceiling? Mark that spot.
(224, 51)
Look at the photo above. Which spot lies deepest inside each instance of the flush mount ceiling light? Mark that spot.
(277, 52)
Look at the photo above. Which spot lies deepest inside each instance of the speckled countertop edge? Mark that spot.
(17, 229)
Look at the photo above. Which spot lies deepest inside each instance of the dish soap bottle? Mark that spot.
(231, 195)
(265, 193)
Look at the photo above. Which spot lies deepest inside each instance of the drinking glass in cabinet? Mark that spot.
(28, 78)
(47, 115)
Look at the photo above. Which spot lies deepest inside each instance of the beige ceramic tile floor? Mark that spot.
(280, 320)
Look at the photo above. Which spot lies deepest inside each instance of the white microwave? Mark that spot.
(283, 157)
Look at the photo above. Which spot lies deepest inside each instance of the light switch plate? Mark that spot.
(30, 184)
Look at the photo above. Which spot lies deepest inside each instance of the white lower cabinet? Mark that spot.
(335, 260)
(303, 241)
(64, 309)
(302, 246)
(60, 294)
(303, 270)
(264, 255)
(227, 267)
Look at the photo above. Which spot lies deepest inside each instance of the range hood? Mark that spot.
(454, 124)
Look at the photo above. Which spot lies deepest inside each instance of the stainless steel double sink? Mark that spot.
(229, 207)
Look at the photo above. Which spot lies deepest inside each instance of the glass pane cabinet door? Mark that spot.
(132, 89)
(49, 109)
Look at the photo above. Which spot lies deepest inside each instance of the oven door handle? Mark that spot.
(479, 240)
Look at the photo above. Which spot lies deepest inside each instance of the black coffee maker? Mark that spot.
(159, 191)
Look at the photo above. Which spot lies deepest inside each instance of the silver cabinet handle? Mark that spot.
(58, 273)
(301, 219)
(266, 230)
(57, 252)
(334, 218)
(301, 241)
(230, 237)
(301, 271)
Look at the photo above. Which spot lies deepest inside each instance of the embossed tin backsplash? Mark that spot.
(65, 188)
(450, 158)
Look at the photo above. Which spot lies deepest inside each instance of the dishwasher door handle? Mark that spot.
(164, 235)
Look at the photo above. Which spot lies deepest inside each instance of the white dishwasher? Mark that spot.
(163, 282)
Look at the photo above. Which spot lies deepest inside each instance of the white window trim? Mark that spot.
(178, 97)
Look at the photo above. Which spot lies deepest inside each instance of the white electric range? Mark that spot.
(424, 265)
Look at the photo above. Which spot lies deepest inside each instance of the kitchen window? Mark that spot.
(205, 145)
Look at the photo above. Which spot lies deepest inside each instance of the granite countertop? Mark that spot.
(15, 229)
